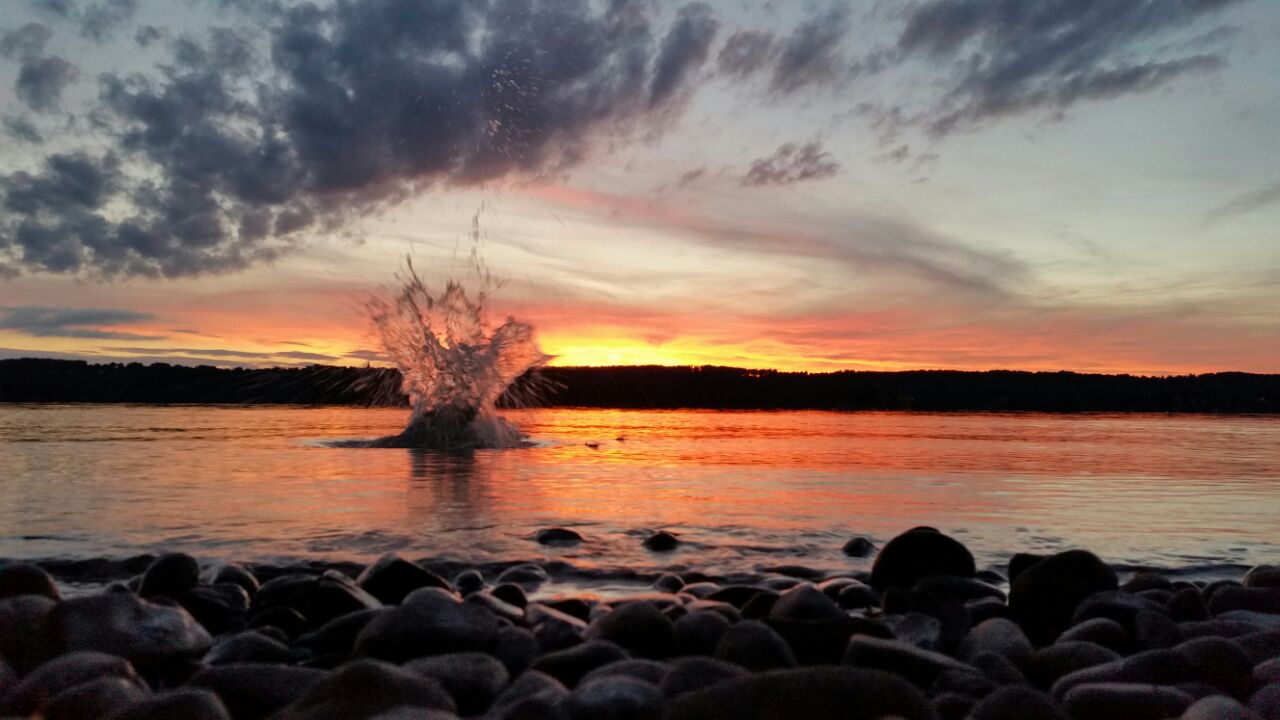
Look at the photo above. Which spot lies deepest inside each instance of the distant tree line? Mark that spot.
(37, 381)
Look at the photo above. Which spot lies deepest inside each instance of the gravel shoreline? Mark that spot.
(922, 635)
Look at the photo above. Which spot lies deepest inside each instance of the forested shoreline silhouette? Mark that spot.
(656, 387)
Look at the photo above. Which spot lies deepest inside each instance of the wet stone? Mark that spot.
(25, 637)
(919, 666)
(650, 671)
(533, 695)
(390, 578)
(1218, 707)
(249, 646)
(512, 594)
(698, 633)
(431, 621)
(1044, 597)
(1065, 657)
(1266, 702)
(231, 573)
(170, 575)
(668, 582)
(999, 635)
(528, 576)
(219, 608)
(285, 620)
(26, 579)
(958, 588)
(1099, 631)
(149, 635)
(923, 631)
(856, 597)
(468, 582)
(662, 541)
(338, 636)
(516, 648)
(1262, 576)
(917, 554)
(557, 536)
(1187, 605)
(1017, 703)
(858, 546)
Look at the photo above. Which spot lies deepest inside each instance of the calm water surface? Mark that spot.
(746, 490)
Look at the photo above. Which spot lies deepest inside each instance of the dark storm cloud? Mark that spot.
(41, 81)
(71, 322)
(745, 52)
(812, 54)
(231, 152)
(1014, 57)
(99, 21)
(791, 163)
(684, 50)
(59, 8)
(25, 43)
(22, 129)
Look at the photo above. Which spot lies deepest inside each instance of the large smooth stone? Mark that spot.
(527, 575)
(614, 698)
(755, 646)
(1000, 636)
(101, 698)
(639, 627)
(252, 691)
(231, 573)
(516, 648)
(917, 554)
(557, 536)
(697, 673)
(903, 659)
(473, 679)
(1266, 702)
(34, 692)
(1099, 631)
(1218, 707)
(219, 608)
(170, 575)
(650, 671)
(1130, 701)
(185, 703)
(147, 634)
(250, 646)
(365, 688)
(390, 578)
(533, 695)
(569, 666)
(429, 622)
(25, 638)
(1017, 703)
(1063, 658)
(661, 541)
(554, 630)
(818, 693)
(26, 579)
(1257, 599)
(858, 546)
(1267, 576)
(699, 632)
(1044, 597)
(338, 636)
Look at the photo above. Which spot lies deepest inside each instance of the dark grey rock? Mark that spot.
(533, 696)
(512, 594)
(923, 631)
(1132, 701)
(557, 536)
(698, 632)
(570, 665)
(917, 554)
(430, 621)
(1261, 645)
(615, 698)
(755, 646)
(338, 636)
(170, 575)
(33, 693)
(858, 546)
(1256, 599)
(18, 579)
(958, 588)
(857, 597)
(805, 602)
(231, 573)
(363, 689)
(1155, 630)
(1100, 631)
(149, 635)
(473, 679)
(1266, 702)
(185, 703)
(516, 648)
(100, 698)
(818, 693)
(219, 608)
(669, 582)
(553, 629)
(639, 627)
(285, 620)
(390, 578)
(252, 691)
(1044, 597)
(1262, 576)
(696, 673)
(1065, 657)
(469, 581)
(249, 647)
(998, 635)
(1021, 562)
(999, 668)
(908, 661)
(26, 639)
(662, 541)
(1218, 707)
(528, 576)
(1017, 703)
(650, 671)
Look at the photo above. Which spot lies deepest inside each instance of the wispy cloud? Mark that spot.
(87, 323)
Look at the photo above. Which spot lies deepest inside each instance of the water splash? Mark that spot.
(454, 362)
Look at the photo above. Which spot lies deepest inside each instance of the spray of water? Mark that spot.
(455, 364)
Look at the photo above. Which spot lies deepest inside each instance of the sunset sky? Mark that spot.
(872, 184)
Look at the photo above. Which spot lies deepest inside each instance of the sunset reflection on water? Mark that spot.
(744, 489)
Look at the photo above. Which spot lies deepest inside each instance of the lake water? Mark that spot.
(745, 490)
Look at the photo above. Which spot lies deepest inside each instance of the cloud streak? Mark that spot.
(791, 163)
(85, 323)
